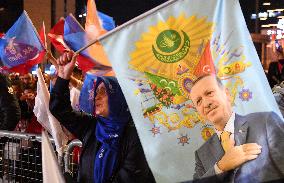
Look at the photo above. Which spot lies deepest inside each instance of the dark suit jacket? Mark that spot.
(265, 129)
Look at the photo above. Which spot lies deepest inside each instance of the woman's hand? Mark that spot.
(66, 64)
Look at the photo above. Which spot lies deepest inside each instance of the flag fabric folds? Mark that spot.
(168, 49)
(69, 34)
(20, 47)
(51, 171)
(56, 36)
(107, 22)
(42, 35)
(45, 118)
(97, 24)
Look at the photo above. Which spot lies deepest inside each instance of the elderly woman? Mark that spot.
(111, 150)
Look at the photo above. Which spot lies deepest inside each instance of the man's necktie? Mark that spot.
(225, 141)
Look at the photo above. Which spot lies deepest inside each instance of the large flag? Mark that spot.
(168, 48)
(51, 171)
(20, 47)
(45, 118)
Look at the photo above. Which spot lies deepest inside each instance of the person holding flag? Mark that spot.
(112, 151)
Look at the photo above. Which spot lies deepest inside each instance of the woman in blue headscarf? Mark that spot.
(111, 150)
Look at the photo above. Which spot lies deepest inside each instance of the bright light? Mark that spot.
(263, 14)
(272, 25)
(271, 14)
(80, 16)
(280, 17)
(278, 36)
(279, 10)
(280, 24)
(266, 4)
(85, 14)
(263, 18)
(253, 16)
(265, 25)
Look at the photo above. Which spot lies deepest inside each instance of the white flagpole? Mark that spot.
(127, 24)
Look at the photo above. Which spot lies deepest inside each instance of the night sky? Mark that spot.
(124, 10)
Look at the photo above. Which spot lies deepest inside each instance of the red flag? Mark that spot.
(56, 36)
(84, 63)
(206, 64)
(273, 37)
(42, 36)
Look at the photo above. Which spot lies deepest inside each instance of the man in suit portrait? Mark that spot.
(246, 148)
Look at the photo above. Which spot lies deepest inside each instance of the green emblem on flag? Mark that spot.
(171, 47)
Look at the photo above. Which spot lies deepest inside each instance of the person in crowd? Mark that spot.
(244, 148)
(112, 151)
(9, 108)
(275, 73)
(28, 122)
(27, 80)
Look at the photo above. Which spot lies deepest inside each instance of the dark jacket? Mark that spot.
(10, 111)
(132, 166)
(274, 75)
(263, 128)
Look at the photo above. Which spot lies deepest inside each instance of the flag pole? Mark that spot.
(127, 24)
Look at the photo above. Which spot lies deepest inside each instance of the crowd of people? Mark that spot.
(111, 150)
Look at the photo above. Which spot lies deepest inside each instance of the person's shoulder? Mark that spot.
(259, 117)
(254, 114)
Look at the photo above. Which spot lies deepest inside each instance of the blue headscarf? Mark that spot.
(109, 130)
(86, 99)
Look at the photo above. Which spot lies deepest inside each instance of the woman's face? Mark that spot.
(101, 101)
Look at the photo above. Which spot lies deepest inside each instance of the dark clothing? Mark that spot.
(26, 111)
(9, 108)
(275, 75)
(263, 128)
(132, 166)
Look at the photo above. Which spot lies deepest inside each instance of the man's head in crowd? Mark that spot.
(212, 100)
(26, 78)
